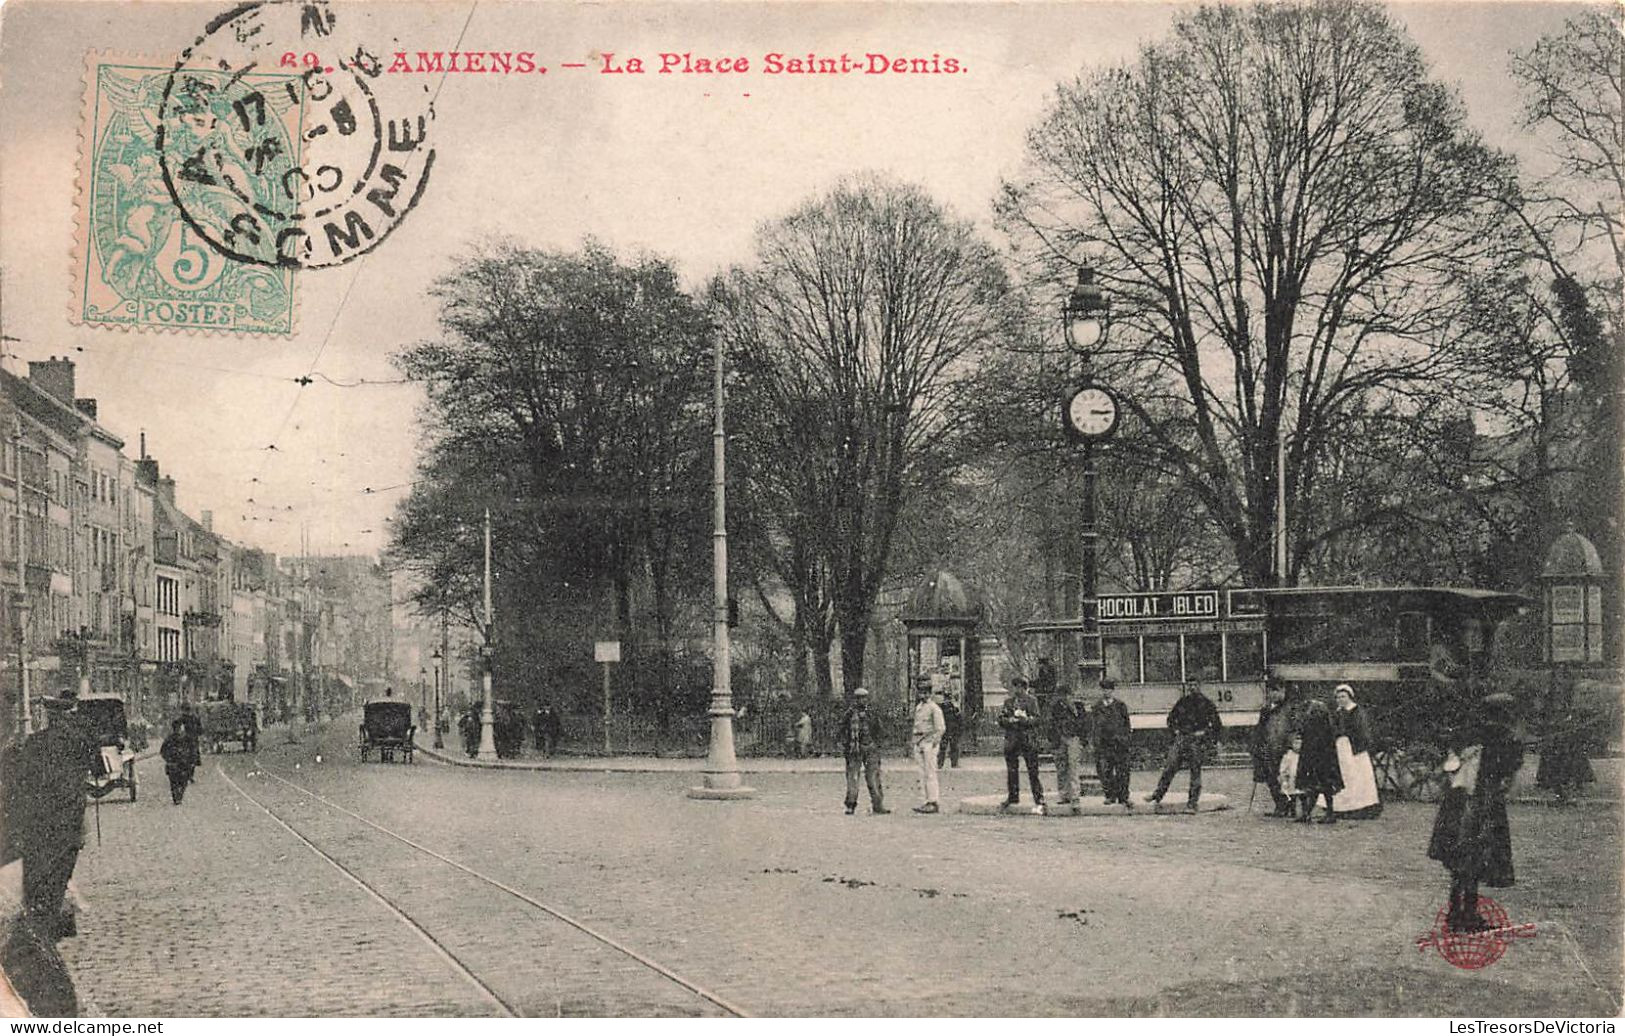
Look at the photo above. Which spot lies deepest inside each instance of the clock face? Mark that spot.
(1091, 412)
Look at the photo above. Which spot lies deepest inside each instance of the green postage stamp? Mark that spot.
(174, 161)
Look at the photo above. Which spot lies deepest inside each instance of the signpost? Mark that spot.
(608, 652)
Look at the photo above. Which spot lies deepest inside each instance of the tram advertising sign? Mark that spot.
(1162, 606)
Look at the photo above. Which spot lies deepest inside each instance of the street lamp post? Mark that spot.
(721, 780)
(488, 744)
(20, 605)
(1090, 416)
(438, 742)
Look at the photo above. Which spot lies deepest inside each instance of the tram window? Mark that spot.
(1245, 653)
(1202, 657)
(1123, 660)
(1161, 659)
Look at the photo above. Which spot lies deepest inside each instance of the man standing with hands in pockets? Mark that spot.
(928, 730)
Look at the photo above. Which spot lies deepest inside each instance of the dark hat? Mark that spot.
(1108, 684)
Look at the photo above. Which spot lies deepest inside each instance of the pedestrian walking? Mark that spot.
(1318, 774)
(181, 757)
(1269, 744)
(802, 734)
(1194, 724)
(954, 721)
(45, 815)
(1068, 728)
(1471, 834)
(1019, 719)
(1351, 731)
(928, 730)
(1113, 736)
(194, 727)
(861, 741)
(469, 727)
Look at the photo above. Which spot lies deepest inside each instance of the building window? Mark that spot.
(168, 596)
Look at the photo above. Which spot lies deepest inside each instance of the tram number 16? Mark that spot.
(1225, 696)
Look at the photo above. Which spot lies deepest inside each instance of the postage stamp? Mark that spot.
(143, 255)
(362, 160)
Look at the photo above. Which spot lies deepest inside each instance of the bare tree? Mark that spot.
(861, 324)
(1284, 206)
(1573, 81)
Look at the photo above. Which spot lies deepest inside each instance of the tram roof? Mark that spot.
(1463, 593)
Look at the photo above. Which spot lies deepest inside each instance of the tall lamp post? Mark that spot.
(1089, 416)
(721, 780)
(20, 605)
(438, 742)
(488, 744)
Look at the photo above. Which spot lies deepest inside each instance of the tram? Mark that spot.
(1409, 652)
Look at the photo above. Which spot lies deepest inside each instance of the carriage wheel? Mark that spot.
(1412, 774)
(1427, 781)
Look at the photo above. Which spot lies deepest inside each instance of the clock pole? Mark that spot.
(1083, 317)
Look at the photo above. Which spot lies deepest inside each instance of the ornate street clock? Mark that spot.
(1090, 413)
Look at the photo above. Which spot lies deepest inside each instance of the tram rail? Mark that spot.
(455, 950)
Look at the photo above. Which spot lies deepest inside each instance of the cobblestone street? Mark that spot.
(785, 906)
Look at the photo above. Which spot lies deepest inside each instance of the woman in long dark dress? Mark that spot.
(1471, 835)
(1317, 762)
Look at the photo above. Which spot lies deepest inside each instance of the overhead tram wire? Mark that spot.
(360, 264)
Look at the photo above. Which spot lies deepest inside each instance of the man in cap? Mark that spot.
(1194, 724)
(861, 739)
(45, 811)
(1069, 726)
(1019, 719)
(1112, 738)
(929, 727)
(1269, 744)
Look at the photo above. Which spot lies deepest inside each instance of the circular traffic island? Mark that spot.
(993, 805)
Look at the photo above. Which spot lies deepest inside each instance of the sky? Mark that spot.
(686, 166)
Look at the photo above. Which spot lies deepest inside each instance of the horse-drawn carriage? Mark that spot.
(104, 723)
(230, 721)
(387, 726)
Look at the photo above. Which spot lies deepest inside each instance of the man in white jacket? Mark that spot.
(928, 730)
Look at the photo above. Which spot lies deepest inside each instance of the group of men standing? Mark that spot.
(1193, 722)
(935, 733)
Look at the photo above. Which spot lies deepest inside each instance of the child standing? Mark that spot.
(1289, 776)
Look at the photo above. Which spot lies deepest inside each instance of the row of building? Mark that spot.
(110, 587)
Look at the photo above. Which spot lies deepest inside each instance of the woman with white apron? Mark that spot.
(1358, 800)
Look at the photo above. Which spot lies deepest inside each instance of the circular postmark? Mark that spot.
(282, 143)
(1475, 949)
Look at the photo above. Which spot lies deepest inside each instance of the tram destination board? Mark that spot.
(1160, 606)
